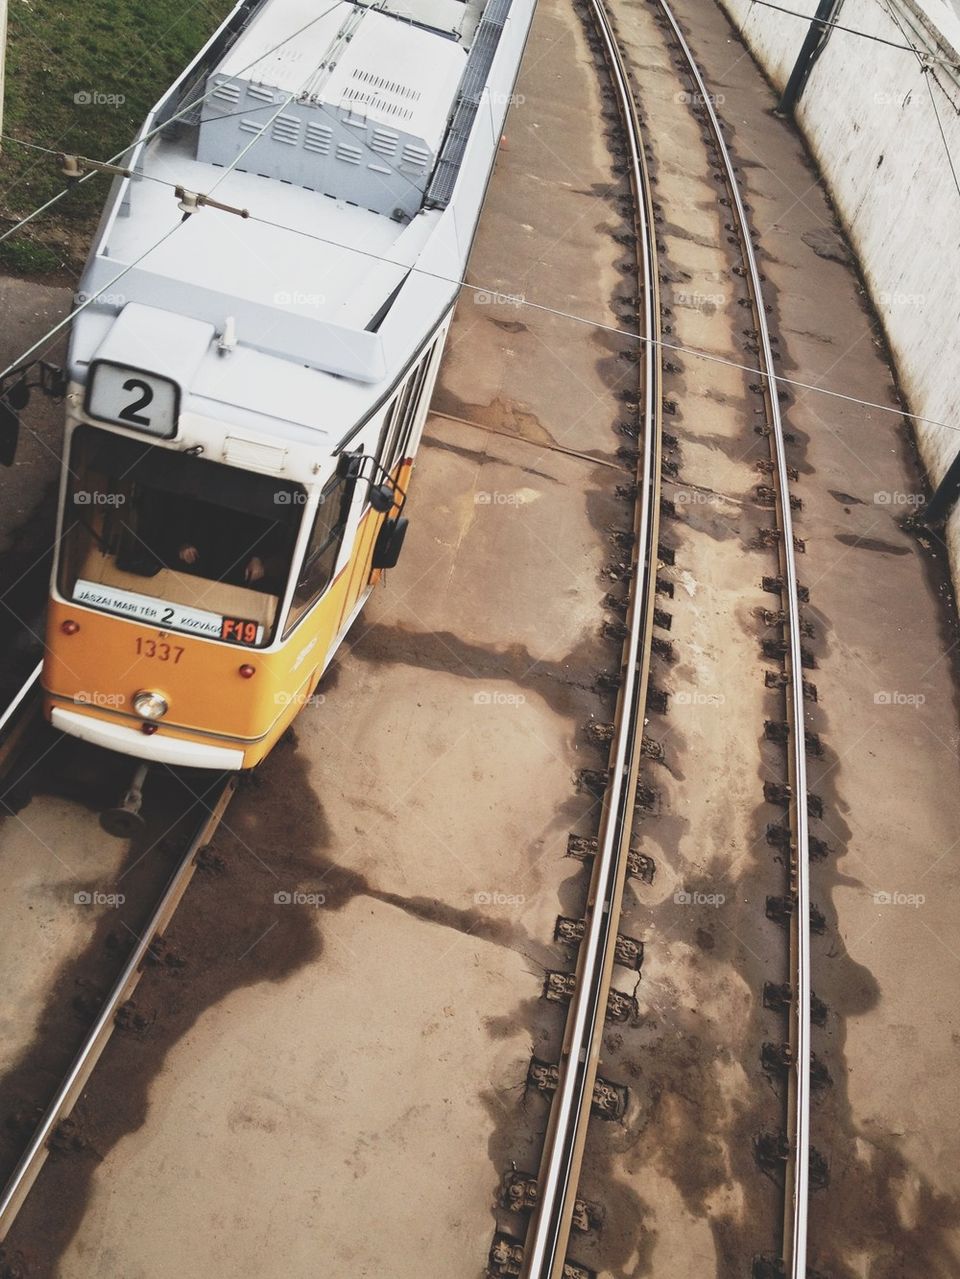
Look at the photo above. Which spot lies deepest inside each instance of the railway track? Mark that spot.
(17, 717)
(544, 1254)
(797, 1182)
(14, 722)
(545, 1249)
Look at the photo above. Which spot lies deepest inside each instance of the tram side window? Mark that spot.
(326, 537)
(393, 427)
(388, 432)
(408, 407)
(398, 426)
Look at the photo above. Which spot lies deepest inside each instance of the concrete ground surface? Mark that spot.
(329, 1075)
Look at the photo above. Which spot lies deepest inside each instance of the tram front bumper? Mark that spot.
(158, 747)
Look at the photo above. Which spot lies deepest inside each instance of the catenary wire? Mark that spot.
(854, 31)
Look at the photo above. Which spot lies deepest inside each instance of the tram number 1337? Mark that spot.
(159, 649)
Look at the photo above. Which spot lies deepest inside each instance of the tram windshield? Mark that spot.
(174, 540)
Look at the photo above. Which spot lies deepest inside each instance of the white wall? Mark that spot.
(867, 115)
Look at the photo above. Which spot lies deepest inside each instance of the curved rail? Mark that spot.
(794, 1243)
(549, 1230)
(29, 686)
(17, 714)
(33, 1158)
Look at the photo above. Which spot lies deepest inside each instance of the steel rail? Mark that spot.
(796, 1194)
(549, 1229)
(33, 1158)
(28, 686)
(17, 716)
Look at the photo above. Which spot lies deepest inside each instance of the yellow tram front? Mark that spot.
(195, 602)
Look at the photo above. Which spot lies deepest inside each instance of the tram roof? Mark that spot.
(329, 298)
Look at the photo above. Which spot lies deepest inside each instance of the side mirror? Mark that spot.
(389, 543)
(381, 498)
(9, 433)
(13, 399)
(18, 395)
(349, 465)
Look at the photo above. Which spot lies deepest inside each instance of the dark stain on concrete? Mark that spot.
(667, 230)
(502, 413)
(827, 243)
(846, 499)
(872, 544)
(472, 922)
(562, 684)
(482, 456)
(813, 337)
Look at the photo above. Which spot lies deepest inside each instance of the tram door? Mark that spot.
(361, 530)
(364, 521)
(393, 445)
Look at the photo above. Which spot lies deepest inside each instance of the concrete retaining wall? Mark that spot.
(868, 115)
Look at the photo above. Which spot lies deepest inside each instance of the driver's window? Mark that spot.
(323, 548)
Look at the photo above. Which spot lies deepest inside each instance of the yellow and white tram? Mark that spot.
(246, 394)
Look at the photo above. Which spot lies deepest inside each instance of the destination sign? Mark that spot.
(174, 617)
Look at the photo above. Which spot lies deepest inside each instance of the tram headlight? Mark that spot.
(150, 705)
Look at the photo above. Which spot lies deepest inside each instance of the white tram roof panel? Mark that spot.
(377, 55)
(356, 107)
(456, 18)
(303, 252)
(299, 65)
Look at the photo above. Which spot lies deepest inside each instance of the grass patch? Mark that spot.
(82, 80)
(29, 257)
